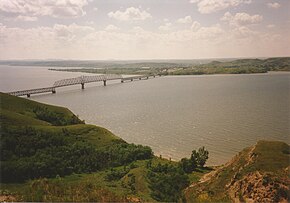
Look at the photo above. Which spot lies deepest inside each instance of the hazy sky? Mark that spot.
(143, 29)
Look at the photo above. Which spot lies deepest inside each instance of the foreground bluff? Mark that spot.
(257, 174)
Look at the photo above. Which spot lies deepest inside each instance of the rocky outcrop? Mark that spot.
(257, 174)
(258, 187)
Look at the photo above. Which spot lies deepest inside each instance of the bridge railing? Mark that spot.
(78, 80)
(85, 79)
(67, 82)
(32, 91)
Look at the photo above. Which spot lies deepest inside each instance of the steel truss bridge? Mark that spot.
(79, 80)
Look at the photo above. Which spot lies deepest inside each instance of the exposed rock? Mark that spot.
(133, 199)
(7, 198)
(257, 174)
(258, 187)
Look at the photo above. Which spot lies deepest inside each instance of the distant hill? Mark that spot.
(269, 64)
(257, 174)
(178, 67)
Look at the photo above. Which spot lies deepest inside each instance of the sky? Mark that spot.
(143, 29)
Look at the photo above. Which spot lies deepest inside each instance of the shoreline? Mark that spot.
(181, 75)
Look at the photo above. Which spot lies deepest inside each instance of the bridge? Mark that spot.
(79, 80)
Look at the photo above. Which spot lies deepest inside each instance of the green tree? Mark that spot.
(199, 157)
(167, 182)
(203, 156)
(187, 165)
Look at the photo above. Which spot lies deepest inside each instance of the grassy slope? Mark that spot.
(25, 107)
(17, 111)
(267, 157)
(89, 187)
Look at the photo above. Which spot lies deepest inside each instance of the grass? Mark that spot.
(25, 107)
(133, 186)
(8, 117)
(98, 136)
(19, 112)
(16, 111)
(270, 156)
(92, 187)
(198, 173)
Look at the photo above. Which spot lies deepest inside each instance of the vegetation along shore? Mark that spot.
(239, 66)
(49, 154)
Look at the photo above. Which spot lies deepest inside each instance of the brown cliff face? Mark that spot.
(257, 174)
(259, 187)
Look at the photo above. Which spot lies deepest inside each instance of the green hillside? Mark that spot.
(49, 154)
(44, 141)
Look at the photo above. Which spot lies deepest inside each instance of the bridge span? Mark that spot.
(79, 80)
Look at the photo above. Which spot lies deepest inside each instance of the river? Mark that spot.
(175, 114)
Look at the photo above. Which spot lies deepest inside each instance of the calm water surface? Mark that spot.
(173, 115)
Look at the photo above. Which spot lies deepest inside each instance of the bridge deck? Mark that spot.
(139, 77)
(86, 79)
(74, 81)
(32, 91)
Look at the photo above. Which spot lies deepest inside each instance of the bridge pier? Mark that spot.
(79, 80)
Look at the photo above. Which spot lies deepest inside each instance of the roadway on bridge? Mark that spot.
(82, 80)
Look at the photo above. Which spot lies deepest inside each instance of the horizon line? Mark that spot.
(156, 59)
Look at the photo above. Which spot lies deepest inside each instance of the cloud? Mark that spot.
(70, 32)
(26, 18)
(241, 19)
(194, 1)
(211, 6)
(90, 22)
(54, 8)
(209, 33)
(166, 27)
(195, 26)
(137, 29)
(243, 32)
(112, 28)
(274, 5)
(271, 26)
(75, 41)
(130, 14)
(185, 20)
